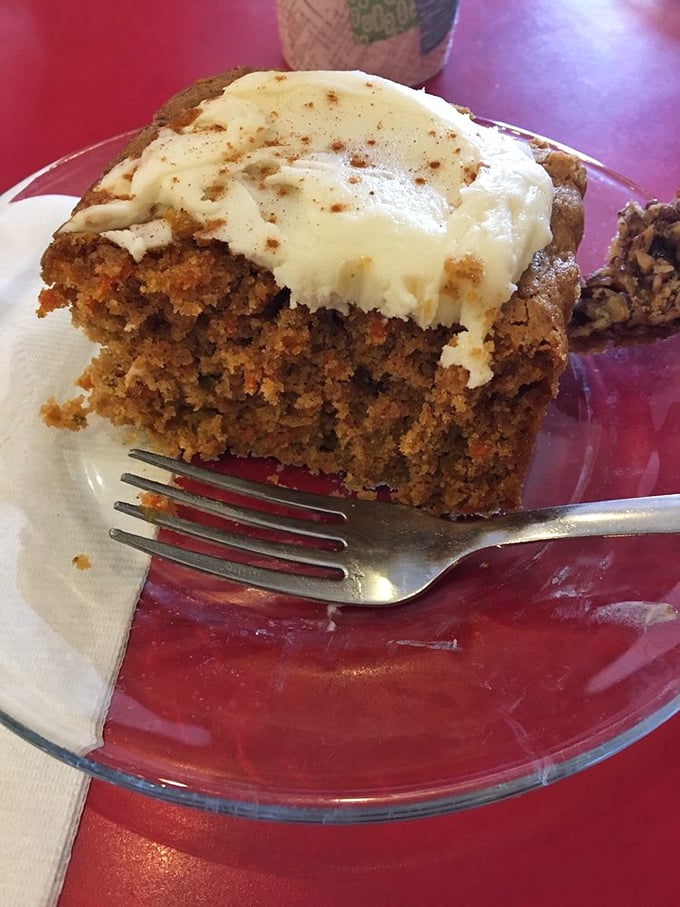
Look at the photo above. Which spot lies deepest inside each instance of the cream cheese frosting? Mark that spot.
(351, 190)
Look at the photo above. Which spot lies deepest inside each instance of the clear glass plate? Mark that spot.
(522, 667)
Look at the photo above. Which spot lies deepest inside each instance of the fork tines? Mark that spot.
(284, 530)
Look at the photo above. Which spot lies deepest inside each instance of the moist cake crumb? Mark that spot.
(71, 415)
(81, 562)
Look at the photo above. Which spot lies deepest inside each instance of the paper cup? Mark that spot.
(407, 41)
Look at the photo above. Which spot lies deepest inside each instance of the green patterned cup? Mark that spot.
(404, 40)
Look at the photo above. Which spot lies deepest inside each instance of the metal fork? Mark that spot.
(363, 553)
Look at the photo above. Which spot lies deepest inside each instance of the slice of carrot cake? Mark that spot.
(333, 270)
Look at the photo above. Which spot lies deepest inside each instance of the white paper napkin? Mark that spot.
(40, 805)
(62, 630)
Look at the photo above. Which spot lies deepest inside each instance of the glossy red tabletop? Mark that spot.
(600, 75)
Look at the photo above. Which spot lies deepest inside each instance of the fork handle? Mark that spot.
(631, 516)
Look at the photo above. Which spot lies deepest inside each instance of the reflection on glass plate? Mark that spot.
(521, 667)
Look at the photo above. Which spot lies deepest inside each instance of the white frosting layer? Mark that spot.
(349, 189)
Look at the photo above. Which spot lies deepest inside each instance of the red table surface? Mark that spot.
(600, 75)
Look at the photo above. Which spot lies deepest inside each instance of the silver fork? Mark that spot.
(380, 554)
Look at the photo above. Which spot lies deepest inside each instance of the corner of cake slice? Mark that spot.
(333, 270)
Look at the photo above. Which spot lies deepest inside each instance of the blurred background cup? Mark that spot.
(404, 40)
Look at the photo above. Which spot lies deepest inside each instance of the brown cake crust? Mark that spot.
(201, 351)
